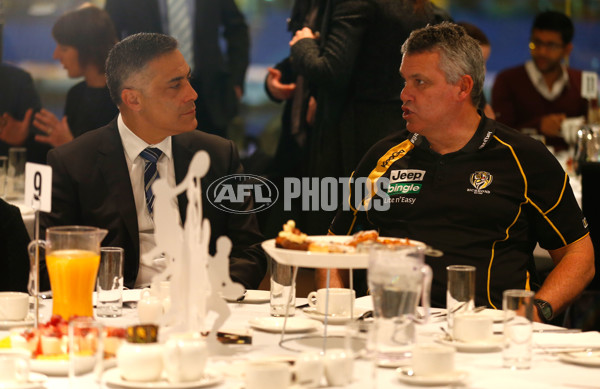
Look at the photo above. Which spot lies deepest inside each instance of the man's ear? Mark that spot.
(568, 49)
(132, 99)
(466, 86)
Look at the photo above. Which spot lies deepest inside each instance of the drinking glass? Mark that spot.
(72, 259)
(3, 171)
(282, 289)
(109, 283)
(460, 294)
(15, 178)
(397, 278)
(86, 352)
(518, 328)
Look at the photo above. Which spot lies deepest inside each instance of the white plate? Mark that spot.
(322, 260)
(405, 374)
(254, 297)
(585, 358)
(35, 381)
(8, 324)
(61, 367)
(496, 314)
(113, 378)
(493, 344)
(332, 319)
(275, 324)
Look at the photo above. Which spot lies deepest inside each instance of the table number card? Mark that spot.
(38, 186)
(589, 85)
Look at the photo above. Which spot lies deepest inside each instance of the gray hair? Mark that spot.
(131, 56)
(459, 53)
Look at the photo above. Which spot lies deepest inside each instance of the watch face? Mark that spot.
(545, 309)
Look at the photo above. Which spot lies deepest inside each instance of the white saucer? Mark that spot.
(584, 358)
(35, 381)
(497, 315)
(8, 324)
(331, 319)
(275, 324)
(254, 297)
(113, 378)
(494, 344)
(61, 367)
(405, 374)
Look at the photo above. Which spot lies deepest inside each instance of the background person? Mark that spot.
(218, 77)
(486, 194)
(540, 94)
(83, 38)
(98, 178)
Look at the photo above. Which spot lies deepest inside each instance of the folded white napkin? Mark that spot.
(589, 339)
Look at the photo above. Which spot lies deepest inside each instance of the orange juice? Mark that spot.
(72, 278)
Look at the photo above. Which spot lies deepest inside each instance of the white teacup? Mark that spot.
(309, 369)
(339, 367)
(341, 300)
(432, 359)
(472, 328)
(13, 306)
(185, 357)
(267, 375)
(150, 307)
(140, 362)
(14, 367)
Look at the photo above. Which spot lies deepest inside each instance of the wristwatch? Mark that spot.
(544, 310)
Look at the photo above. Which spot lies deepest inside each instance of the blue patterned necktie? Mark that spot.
(180, 28)
(150, 156)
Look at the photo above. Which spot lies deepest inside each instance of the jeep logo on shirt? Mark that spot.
(408, 175)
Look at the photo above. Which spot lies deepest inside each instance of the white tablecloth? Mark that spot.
(485, 369)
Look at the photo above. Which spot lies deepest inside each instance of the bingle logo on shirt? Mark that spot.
(480, 180)
(405, 181)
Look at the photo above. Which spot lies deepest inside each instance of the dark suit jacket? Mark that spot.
(91, 186)
(214, 74)
(14, 260)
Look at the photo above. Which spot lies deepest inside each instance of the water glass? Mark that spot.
(3, 171)
(518, 328)
(86, 352)
(282, 288)
(109, 283)
(15, 179)
(460, 294)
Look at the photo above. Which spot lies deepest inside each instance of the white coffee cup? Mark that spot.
(432, 359)
(267, 375)
(140, 362)
(14, 306)
(309, 369)
(340, 301)
(150, 307)
(339, 367)
(184, 357)
(472, 328)
(14, 367)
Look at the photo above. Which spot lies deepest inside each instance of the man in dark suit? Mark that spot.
(218, 79)
(98, 178)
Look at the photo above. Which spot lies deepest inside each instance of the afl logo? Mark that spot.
(229, 193)
(481, 180)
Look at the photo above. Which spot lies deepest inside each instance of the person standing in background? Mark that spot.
(217, 77)
(540, 94)
(352, 70)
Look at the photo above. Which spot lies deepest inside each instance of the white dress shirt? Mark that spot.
(133, 146)
(537, 79)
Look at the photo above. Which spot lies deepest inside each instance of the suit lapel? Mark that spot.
(182, 157)
(116, 176)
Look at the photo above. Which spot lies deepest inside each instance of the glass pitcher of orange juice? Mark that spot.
(72, 259)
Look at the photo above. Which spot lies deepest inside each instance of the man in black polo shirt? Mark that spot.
(477, 190)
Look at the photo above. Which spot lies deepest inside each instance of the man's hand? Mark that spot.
(276, 88)
(13, 131)
(311, 111)
(550, 124)
(57, 131)
(238, 92)
(301, 34)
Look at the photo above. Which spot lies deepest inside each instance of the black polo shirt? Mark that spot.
(486, 205)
